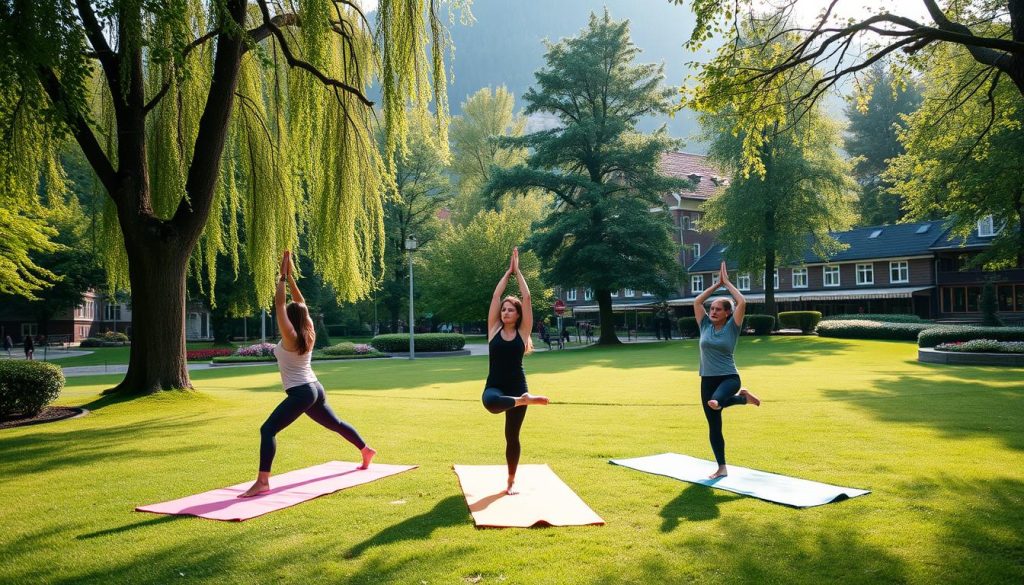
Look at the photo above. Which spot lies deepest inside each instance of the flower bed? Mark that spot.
(256, 350)
(206, 354)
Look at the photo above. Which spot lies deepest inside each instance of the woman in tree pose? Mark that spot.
(509, 324)
(719, 381)
(304, 392)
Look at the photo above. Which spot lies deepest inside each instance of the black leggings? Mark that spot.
(309, 399)
(723, 389)
(497, 401)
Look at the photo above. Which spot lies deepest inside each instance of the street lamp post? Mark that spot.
(410, 247)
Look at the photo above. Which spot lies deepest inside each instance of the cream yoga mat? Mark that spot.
(543, 498)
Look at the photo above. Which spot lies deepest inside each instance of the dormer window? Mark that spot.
(695, 177)
(987, 227)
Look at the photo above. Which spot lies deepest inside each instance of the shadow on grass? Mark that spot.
(967, 407)
(450, 511)
(47, 451)
(162, 519)
(694, 504)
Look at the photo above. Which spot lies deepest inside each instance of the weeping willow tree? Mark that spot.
(207, 119)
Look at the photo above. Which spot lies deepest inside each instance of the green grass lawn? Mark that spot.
(940, 447)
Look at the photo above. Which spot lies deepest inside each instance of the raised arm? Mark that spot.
(526, 326)
(737, 297)
(494, 313)
(288, 334)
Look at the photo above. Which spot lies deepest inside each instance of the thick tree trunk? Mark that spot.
(156, 269)
(604, 304)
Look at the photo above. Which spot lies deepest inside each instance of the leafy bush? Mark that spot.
(761, 324)
(945, 334)
(805, 321)
(983, 346)
(349, 348)
(866, 329)
(26, 387)
(256, 350)
(399, 342)
(883, 317)
(206, 354)
(114, 337)
(100, 342)
(688, 327)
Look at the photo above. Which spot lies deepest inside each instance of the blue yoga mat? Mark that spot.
(781, 489)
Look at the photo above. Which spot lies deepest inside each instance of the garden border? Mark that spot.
(930, 355)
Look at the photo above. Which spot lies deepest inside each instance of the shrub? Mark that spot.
(399, 342)
(805, 321)
(883, 317)
(936, 335)
(100, 342)
(256, 350)
(688, 327)
(114, 337)
(349, 348)
(206, 354)
(989, 306)
(322, 338)
(26, 387)
(983, 346)
(761, 324)
(866, 329)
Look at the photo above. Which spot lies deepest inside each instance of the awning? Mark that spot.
(637, 306)
(780, 297)
(867, 293)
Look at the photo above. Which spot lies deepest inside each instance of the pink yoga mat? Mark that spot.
(543, 498)
(286, 490)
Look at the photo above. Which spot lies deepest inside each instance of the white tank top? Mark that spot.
(295, 368)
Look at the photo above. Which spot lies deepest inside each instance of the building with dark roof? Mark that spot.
(921, 268)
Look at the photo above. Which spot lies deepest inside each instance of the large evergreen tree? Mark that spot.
(803, 191)
(603, 173)
(167, 100)
(872, 139)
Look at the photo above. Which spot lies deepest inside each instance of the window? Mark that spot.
(570, 295)
(743, 281)
(775, 280)
(986, 227)
(113, 312)
(696, 251)
(588, 294)
(697, 283)
(831, 275)
(615, 293)
(29, 330)
(799, 278)
(629, 292)
(899, 271)
(647, 294)
(715, 278)
(865, 274)
(684, 222)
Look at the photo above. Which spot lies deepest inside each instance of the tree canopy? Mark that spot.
(604, 175)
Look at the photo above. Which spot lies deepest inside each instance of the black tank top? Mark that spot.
(506, 363)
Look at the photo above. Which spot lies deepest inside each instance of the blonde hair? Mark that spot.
(518, 304)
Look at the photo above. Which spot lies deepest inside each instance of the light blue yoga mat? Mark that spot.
(772, 487)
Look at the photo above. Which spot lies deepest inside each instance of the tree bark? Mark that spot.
(156, 266)
(604, 304)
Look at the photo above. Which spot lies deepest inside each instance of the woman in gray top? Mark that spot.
(719, 381)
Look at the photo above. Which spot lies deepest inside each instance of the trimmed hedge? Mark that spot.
(688, 327)
(761, 324)
(982, 346)
(883, 317)
(399, 342)
(947, 333)
(865, 329)
(26, 387)
(805, 321)
(96, 342)
(349, 348)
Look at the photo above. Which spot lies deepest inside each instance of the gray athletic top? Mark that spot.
(717, 347)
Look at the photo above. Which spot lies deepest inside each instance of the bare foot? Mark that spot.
(722, 472)
(368, 454)
(751, 399)
(511, 489)
(713, 405)
(257, 488)
(528, 398)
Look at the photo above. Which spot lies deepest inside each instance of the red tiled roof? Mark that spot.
(684, 164)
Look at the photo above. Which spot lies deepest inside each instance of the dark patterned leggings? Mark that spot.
(311, 400)
(723, 389)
